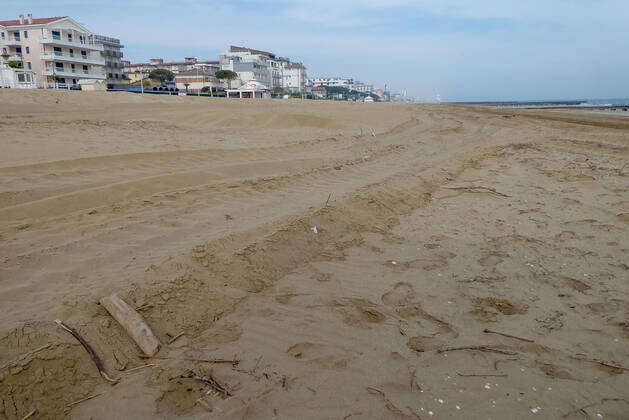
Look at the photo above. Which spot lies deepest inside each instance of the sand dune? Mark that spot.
(452, 227)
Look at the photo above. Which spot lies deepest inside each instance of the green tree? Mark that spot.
(15, 64)
(162, 75)
(226, 75)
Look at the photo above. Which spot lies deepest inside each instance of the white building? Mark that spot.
(249, 65)
(362, 87)
(332, 82)
(58, 50)
(265, 67)
(294, 77)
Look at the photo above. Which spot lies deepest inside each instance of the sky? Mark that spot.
(459, 49)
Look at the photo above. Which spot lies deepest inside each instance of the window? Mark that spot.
(58, 51)
(69, 37)
(73, 67)
(84, 54)
(28, 50)
(25, 34)
(116, 75)
(59, 66)
(2, 35)
(85, 70)
(21, 77)
(71, 52)
(16, 35)
(56, 34)
(30, 66)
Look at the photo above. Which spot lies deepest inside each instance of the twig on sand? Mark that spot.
(600, 362)
(500, 375)
(479, 348)
(140, 367)
(328, 200)
(97, 360)
(478, 189)
(488, 331)
(26, 355)
(29, 415)
(213, 383)
(175, 338)
(582, 409)
(84, 399)
(215, 361)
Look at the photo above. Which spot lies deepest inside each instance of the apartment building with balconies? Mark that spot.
(58, 50)
(265, 67)
(112, 55)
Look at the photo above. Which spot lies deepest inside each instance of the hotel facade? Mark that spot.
(58, 51)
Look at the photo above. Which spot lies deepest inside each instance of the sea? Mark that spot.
(576, 103)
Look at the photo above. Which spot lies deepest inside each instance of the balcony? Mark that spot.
(74, 58)
(11, 42)
(77, 74)
(50, 40)
(15, 57)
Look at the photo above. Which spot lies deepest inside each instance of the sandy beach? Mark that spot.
(354, 261)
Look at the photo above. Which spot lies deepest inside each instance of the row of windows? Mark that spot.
(59, 51)
(16, 35)
(113, 76)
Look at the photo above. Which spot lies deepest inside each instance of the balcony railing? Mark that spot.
(78, 74)
(57, 40)
(10, 42)
(74, 58)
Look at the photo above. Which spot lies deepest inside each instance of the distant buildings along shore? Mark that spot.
(58, 52)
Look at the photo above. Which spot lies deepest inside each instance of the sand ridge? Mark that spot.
(448, 222)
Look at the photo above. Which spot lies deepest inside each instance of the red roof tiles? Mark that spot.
(36, 21)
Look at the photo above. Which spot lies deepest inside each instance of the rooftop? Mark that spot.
(170, 63)
(36, 21)
(233, 48)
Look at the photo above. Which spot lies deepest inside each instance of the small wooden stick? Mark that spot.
(479, 348)
(326, 201)
(139, 367)
(501, 375)
(473, 189)
(97, 361)
(212, 383)
(84, 399)
(488, 331)
(216, 361)
(29, 415)
(175, 338)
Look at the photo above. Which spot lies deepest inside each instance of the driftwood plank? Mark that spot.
(133, 323)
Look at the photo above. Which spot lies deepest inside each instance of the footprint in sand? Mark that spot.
(401, 295)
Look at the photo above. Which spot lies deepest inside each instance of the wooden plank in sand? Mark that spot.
(133, 323)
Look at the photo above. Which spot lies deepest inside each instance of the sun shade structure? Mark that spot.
(250, 89)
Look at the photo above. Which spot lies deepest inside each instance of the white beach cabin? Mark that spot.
(251, 89)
